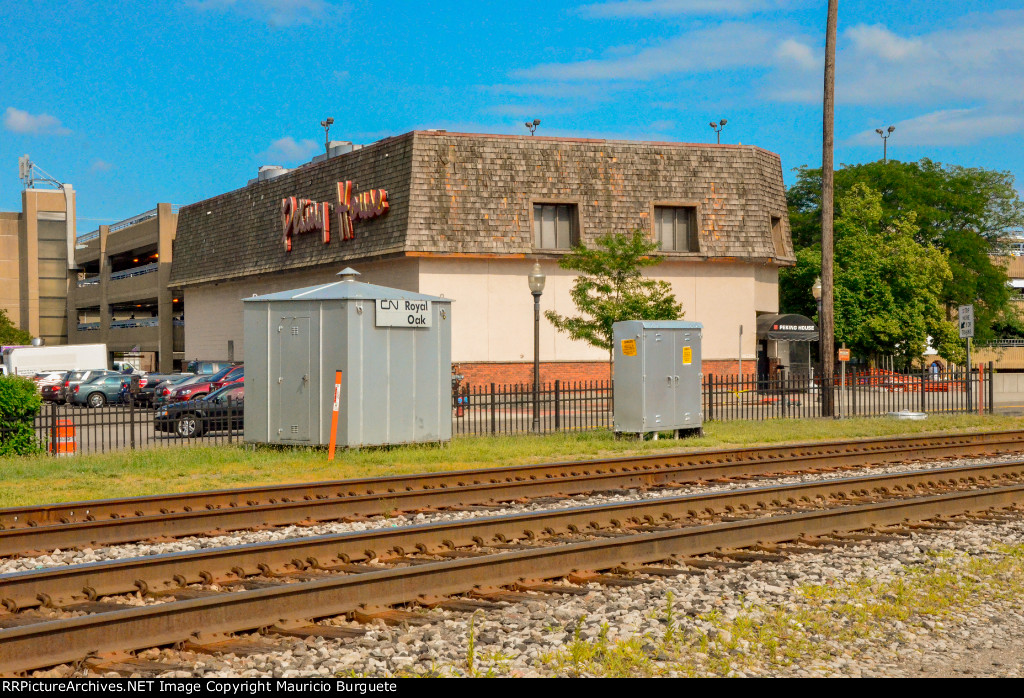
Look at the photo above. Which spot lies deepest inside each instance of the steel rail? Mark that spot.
(66, 640)
(763, 457)
(62, 586)
(474, 488)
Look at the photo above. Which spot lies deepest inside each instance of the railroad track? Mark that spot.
(281, 584)
(24, 530)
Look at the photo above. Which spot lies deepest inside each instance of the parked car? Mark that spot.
(47, 379)
(213, 412)
(60, 392)
(44, 378)
(99, 391)
(162, 394)
(198, 388)
(151, 383)
(233, 376)
(206, 368)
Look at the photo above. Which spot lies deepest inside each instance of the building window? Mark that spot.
(780, 245)
(675, 227)
(554, 226)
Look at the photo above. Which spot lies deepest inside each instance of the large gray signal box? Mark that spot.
(394, 349)
(657, 376)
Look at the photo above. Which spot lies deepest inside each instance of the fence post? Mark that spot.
(131, 420)
(782, 390)
(558, 409)
(494, 407)
(231, 421)
(991, 388)
(710, 383)
(53, 428)
(924, 374)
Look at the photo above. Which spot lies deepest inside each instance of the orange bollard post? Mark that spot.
(334, 415)
(64, 440)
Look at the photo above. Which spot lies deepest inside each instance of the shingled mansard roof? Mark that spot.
(470, 194)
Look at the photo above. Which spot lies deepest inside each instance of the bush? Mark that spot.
(19, 404)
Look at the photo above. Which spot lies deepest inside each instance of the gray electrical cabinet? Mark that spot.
(657, 376)
(393, 348)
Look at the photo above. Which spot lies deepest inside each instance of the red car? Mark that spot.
(191, 390)
(236, 374)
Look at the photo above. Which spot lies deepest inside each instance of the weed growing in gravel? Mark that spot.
(824, 629)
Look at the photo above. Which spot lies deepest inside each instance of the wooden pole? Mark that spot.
(827, 213)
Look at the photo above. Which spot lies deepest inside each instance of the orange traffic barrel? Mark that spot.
(63, 441)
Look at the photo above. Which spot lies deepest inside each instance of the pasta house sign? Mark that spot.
(300, 216)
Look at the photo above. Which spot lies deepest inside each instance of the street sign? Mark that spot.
(844, 354)
(965, 317)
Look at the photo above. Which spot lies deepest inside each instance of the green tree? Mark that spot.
(19, 404)
(888, 284)
(9, 333)
(611, 288)
(963, 210)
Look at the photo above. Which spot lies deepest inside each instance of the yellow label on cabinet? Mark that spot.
(629, 347)
(687, 356)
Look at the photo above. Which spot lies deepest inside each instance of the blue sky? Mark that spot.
(138, 103)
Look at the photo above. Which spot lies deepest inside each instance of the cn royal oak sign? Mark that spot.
(300, 216)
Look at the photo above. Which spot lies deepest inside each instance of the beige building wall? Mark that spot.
(10, 266)
(34, 278)
(492, 313)
(213, 312)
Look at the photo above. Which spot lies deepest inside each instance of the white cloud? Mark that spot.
(972, 63)
(20, 121)
(276, 13)
(289, 150)
(100, 166)
(661, 8)
(947, 127)
(729, 45)
(799, 55)
(878, 41)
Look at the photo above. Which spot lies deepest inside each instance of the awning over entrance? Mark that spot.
(790, 328)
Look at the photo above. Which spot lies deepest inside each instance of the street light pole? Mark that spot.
(816, 292)
(717, 126)
(327, 123)
(885, 142)
(536, 280)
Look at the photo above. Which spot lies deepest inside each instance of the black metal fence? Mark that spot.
(560, 406)
(509, 409)
(65, 430)
(858, 394)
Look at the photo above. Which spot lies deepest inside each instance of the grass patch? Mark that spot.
(41, 479)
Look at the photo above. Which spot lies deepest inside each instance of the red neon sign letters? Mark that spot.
(305, 216)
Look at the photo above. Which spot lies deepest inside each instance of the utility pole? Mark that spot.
(827, 215)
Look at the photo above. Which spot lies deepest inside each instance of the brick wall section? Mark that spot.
(484, 373)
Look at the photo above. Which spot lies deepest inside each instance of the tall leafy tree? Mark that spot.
(10, 333)
(965, 211)
(611, 288)
(887, 285)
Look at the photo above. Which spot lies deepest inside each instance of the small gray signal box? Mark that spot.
(394, 349)
(658, 376)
